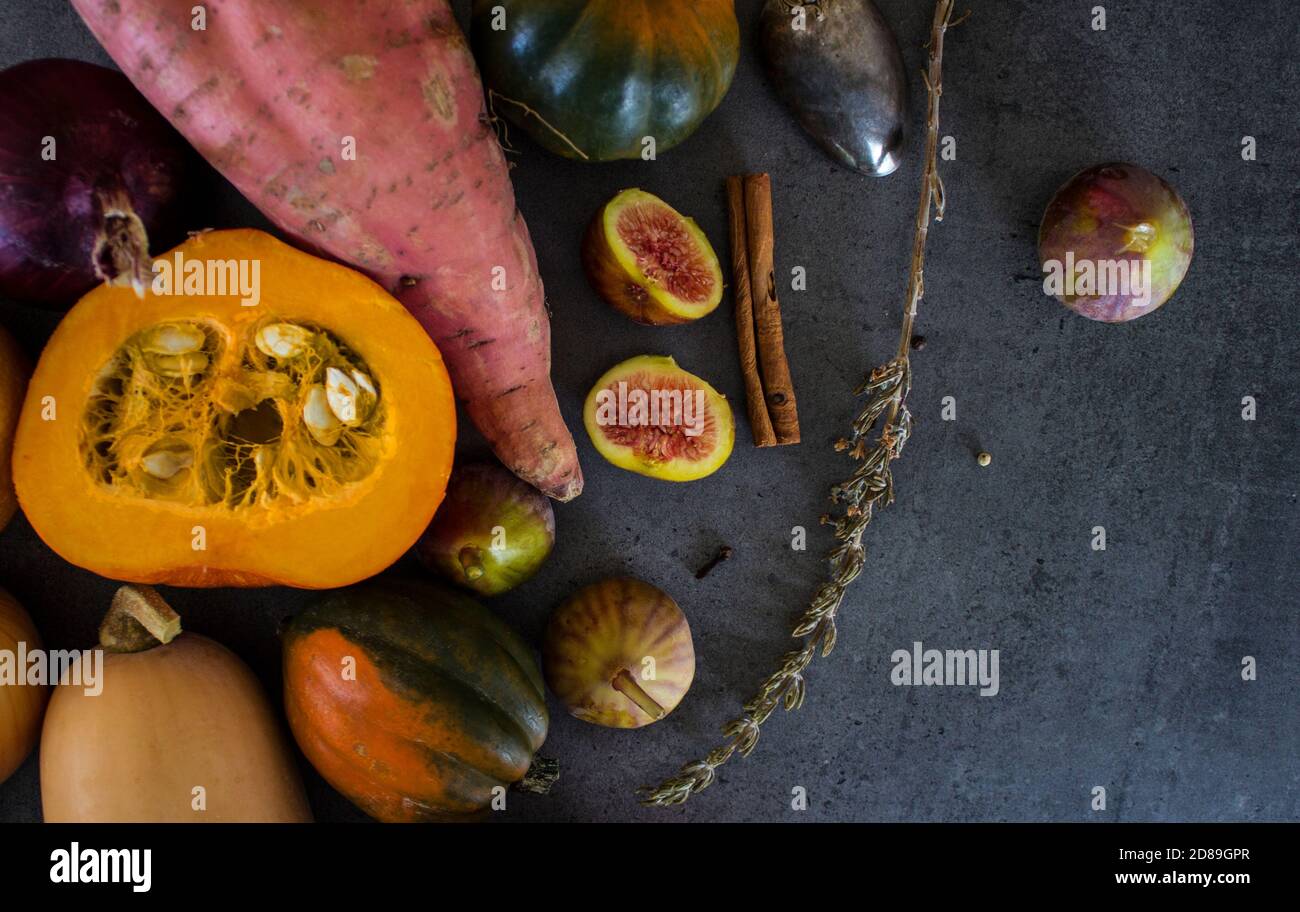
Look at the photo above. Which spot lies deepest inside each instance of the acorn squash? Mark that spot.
(261, 416)
(591, 79)
(413, 700)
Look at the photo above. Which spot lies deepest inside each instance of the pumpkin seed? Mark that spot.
(174, 339)
(367, 385)
(342, 393)
(178, 366)
(368, 396)
(165, 461)
(282, 340)
(319, 418)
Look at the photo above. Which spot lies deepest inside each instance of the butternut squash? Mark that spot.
(181, 732)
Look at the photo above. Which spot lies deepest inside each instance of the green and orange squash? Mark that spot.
(591, 79)
(414, 701)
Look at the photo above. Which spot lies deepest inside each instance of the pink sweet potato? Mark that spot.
(279, 94)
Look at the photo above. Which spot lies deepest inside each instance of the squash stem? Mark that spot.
(138, 619)
(540, 776)
(625, 684)
(471, 561)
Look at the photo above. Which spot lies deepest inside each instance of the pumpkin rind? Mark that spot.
(21, 705)
(171, 719)
(14, 371)
(315, 542)
(441, 702)
(590, 79)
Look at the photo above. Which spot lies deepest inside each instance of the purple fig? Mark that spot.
(1115, 242)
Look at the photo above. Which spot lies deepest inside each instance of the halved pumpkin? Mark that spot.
(297, 431)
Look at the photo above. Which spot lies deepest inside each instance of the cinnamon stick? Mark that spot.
(778, 388)
(760, 422)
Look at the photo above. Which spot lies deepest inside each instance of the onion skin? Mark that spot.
(461, 545)
(113, 185)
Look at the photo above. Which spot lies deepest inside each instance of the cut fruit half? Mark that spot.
(650, 262)
(649, 416)
(197, 440)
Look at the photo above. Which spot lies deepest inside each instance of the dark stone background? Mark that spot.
(1119, 668)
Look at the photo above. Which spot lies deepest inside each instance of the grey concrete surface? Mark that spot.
(1119, 668)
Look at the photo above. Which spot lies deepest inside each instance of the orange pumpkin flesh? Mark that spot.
(169, 720)
(21, 704)
(189, 439)
(13, 381)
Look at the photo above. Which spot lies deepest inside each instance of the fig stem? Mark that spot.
(625, 684)
(138, 619)
(471, 561)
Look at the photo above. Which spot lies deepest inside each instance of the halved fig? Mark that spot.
(649, 416)
(650, 262)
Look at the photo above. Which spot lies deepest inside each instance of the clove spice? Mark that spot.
(724, 553)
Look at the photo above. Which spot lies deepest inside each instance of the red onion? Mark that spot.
(89, 172)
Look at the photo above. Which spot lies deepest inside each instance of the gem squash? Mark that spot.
(590, 79)
(21, 703)
(13, 381)
(296, 431)
(180, 732)
(413, 700)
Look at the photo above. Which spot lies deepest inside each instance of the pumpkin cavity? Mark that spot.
(193, 413)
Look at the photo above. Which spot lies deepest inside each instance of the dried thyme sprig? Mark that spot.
(871, 486)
